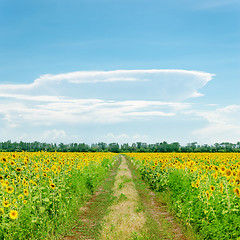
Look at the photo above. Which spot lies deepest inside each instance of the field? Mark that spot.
(41, 194)
(40, 191)
(203, 188)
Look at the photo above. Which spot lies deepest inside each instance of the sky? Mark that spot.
(120, 71)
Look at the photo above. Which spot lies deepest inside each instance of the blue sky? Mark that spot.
(120, 71)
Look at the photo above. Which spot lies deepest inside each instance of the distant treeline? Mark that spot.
(9, 146)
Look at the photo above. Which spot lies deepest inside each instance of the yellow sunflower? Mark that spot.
(228, 172)
(52, 186)
(13, 214)
(25, 192)
(208, 194)
(1, 211)
(6, 203)
(212, 188)
(10, 189)
(237, 191)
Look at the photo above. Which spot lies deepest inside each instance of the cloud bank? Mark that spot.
(222, 124)
(51, 104)
(154, 84)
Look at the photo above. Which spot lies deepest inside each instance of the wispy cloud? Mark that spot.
(222, 124)
(111, 76)
(93, 98)
(88, 111)
(156, 84)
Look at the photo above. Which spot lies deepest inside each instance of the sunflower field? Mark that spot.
(40, 191)
(203, 188)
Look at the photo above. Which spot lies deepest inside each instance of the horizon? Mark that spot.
(120, 71)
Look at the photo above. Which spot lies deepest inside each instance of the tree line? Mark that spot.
(35, 146)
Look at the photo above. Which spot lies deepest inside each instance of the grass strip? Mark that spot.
(88, 220)
(160, 223)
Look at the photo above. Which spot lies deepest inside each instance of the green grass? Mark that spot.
(88, 224)
(151, 229)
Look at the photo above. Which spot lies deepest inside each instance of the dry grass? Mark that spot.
(123, 220)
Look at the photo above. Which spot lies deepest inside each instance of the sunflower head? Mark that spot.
(25, 192)
(222, 168)
(228, 172)
(237, 191)
(20, 197)
(1, 211)
(10, 189)
(12, 163)
(208, 194)
(212, 188)
(52, 186)
(13, 214)
(6, 203)
(18, 169)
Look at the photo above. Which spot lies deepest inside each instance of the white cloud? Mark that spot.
(93, 98)
(87, 111)
(40, 98)
(53, 134)
(159, 84)
(153, 113)
(197, 94)
(223, 125)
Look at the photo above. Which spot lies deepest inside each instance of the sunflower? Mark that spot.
(13, 214)
(25, 192)
(221, 187)
(6, 203)
(18, 169)
(1, 177)
(212, 188)
(208, 194)
(228, 172)
(25, 201)
(53, 168)
(215, 175)
(12, 163)
(10, 189)
(20, 197)
(222, 168)
(52, 186)
(1, 211)
(237, 181)
(237, 191)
